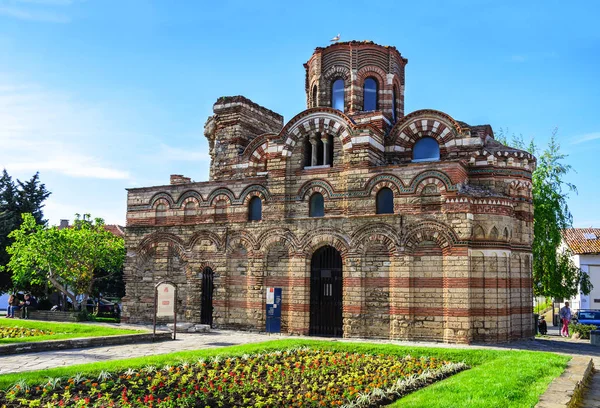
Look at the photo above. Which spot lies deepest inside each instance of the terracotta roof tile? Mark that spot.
(115, 229)
(578, 240)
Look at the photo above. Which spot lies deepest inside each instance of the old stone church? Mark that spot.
(375, 223)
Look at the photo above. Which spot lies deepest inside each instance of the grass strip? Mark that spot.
(498, 378)
(61, 330)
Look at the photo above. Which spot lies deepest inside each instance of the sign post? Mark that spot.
(165, 303)
(273, 303)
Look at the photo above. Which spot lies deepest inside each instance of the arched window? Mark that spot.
(385, 201)
(255, 209)
(426, 149)
(307, 152)
(318, 150)
(317, 205)
(337, 94)
(370, 95)
(394, 95)
(314, 96)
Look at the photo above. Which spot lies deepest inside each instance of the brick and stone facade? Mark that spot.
(452, 263)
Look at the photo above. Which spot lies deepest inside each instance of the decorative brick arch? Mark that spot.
(207, 264)
(313, 240)
(323, 120)
(337, 72)
(478, 232)
(243, 238)
(205, 234)
(255, 154)
(421, 123)
(506, 234)
(220, 192)
(329, 77)
(384, 180)
(372, 71)
(377, 232)
(439, 233)
(166, 197)
(315, 186)
(281, 236)
(189, 195)
(160, 201)
(151, 241)
(260, 141)
(494, 234)
(380, 76)
(439, 178)
(254, 190)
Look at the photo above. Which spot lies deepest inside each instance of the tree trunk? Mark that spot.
(62, 289)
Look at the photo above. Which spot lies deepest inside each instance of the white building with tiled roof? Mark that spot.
(585, 245)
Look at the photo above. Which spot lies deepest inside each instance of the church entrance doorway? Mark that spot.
(326, 292)
(206, 311)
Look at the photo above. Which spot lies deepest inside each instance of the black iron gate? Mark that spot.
(206, 312)
(326, 293)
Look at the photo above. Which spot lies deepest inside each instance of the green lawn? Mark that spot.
(61, 330)
(496, 378)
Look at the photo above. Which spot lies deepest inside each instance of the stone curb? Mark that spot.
(53, 345)
(566, 390)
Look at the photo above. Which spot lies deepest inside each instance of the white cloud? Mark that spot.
(80, 166)
(586, 138)
(48, 130)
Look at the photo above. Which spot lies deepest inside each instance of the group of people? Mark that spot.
(27, 305)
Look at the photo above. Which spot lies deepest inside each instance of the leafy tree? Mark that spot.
(17, 198)
(67, 258)
(554, 273)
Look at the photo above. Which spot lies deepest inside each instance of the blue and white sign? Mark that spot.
(273, 301)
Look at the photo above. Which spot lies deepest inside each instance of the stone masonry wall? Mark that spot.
(452, 263)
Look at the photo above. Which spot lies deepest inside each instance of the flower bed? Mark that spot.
(296, 377)
(16, 332)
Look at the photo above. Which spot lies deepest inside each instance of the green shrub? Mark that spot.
(583, 329)
(540, 308)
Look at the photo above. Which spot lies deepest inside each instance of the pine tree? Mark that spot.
(17, 198)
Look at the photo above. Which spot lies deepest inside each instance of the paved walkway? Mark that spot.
(60, 358)
(222, 338)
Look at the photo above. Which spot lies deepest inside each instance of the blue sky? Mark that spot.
(101, 95)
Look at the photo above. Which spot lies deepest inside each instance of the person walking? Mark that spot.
(565, 318)
(13, 305)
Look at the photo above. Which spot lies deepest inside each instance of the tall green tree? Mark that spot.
(67, 258)
(554, 273)
(17, 198)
